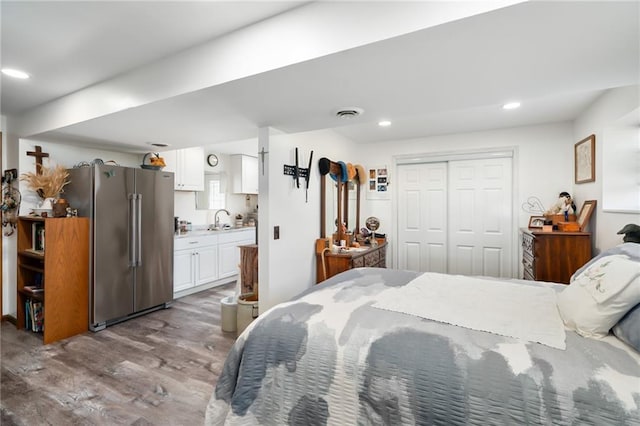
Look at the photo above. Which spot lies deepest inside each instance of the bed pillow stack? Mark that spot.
(605, 293)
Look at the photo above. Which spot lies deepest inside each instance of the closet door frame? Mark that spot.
(446, 156)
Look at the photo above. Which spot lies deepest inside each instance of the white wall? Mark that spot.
(604, 112)
(9, 243)
(542, 165)
(287, 266)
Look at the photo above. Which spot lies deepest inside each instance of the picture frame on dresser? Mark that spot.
(585, 213)
(536, 222)
(585, 160)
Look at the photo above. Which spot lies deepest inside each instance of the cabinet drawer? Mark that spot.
(357, 262)
(527, 244)
(194, 242)
(372, 259)
(236, 236)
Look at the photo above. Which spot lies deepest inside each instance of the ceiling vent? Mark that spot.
(350, 112)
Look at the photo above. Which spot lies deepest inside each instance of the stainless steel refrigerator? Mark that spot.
(131, 213)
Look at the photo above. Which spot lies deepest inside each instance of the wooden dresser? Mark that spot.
(554, 256)
(373, 257)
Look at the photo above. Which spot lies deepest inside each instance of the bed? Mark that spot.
(333, 356)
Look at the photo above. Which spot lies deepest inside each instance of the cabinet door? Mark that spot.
(249, 175)
(228, 259)
(192, 169)
(207, 269)
(183, 270)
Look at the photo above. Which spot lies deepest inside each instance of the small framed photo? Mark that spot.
(585, 213)
(536, 222)
(585, 160)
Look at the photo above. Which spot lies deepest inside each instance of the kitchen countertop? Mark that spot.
(200, 232)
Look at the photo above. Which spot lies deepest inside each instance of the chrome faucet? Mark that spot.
(217, 219)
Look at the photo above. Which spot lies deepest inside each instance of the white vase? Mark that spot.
(47, 203)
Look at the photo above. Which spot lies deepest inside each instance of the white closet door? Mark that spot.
(480, 217)
(422, 217)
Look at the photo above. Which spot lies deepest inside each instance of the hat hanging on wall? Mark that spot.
(344, 176)
(351, 172)
(324, 165)
(360, 173)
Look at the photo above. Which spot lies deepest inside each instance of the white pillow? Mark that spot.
(600, 295)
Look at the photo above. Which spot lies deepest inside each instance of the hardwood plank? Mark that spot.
(160, 368)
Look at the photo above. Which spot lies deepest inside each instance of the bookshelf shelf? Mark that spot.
(61, 270)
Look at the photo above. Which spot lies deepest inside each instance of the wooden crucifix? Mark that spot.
(39, 156)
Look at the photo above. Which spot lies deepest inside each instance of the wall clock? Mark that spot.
(212, 160)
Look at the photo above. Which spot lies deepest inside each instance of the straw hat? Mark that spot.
(351, 172)
(361, 174)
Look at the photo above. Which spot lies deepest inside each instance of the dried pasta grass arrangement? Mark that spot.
(48, 184)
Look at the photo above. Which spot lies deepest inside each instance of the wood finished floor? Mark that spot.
(158, 369)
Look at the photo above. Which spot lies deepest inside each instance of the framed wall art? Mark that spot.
(585, 160)
(378, 183)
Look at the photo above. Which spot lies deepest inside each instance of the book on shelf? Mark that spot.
(34, 315)
(37, 237)
(33, 289)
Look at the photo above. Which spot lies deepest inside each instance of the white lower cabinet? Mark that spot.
(200, 261)
(229, 253)
(195, 262)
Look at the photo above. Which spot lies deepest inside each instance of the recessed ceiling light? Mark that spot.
(511, 105)
(15, 73)
(384, 123)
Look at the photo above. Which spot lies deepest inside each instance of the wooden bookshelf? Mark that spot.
(61, 269)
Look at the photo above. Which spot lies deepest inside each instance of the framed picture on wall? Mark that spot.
(585, 160)
(378, 183)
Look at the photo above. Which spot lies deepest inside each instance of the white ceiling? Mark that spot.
(554, 57)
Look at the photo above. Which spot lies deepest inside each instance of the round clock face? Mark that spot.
(212, 160)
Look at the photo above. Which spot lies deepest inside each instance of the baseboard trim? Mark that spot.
(10, 319)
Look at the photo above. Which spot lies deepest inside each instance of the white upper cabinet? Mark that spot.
(188, 166)
(244, 174)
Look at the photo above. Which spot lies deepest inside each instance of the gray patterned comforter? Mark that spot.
(328, 357)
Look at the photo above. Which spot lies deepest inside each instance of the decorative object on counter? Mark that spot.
(373, 224)
(299, 172)
(536, 222)
(152, 161)
(94, 162)
(239, 222)
(631, 233)
(60, 207)
(378, 183)
(48, 184)
(585, 160)
(585, 213)
(564, 205)
(11, 198)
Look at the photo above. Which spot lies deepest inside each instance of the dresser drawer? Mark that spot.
(372, 259)
(527, 245)
(357, 262)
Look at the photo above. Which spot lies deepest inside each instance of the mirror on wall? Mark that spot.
(214, 196)
(346, 198)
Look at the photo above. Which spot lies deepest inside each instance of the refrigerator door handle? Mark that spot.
(132, 232)
(139, 230)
